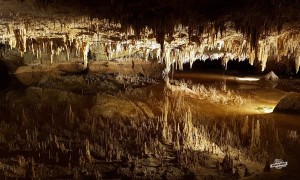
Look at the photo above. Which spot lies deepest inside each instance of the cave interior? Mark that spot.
(149, 89)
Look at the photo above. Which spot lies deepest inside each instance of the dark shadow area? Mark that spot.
(7, 80)
(215, 66)
(284, 68)
(4, 75)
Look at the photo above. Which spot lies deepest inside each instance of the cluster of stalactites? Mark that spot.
(234, 49)
(75, 35)
(289, 46)
(49, 47)
(276, 48)
(221, 49)
(182, 50)
(185, 47)
(15, 37)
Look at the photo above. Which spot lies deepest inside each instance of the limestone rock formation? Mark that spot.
(271, 76)
(50, 32)
(289, 104)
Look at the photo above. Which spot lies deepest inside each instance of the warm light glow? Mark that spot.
(268, 110)
(247, 79)
(265, 109)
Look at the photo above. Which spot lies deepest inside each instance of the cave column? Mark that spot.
(85, 54)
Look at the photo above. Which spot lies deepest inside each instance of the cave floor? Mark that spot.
(120, 126)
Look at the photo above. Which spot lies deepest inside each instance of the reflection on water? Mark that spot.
(137, 132)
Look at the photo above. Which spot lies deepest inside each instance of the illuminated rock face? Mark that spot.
(64, 37)
(289, 104)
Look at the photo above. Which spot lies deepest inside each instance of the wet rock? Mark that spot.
(240, 171)
(289, 104)
(109, 106)
(227, 164)
(71, 67)
(271, 76)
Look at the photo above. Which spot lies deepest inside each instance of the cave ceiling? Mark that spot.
(172, 31)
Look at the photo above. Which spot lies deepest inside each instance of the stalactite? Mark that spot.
(52, 56)
(23, 40)
(43, 45)
(39, 52)
(67, 52)
(85, 54)
(170, 43)
(297, 63)
(225, 61)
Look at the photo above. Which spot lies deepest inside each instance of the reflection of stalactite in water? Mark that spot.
(255, 137)
(189, 137)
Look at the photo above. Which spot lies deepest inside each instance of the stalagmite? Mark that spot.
(85, 54)
(39, 52)
(51, 56)
(147, 54)
(297, 63)
(87, 150)
(252, 57)
(77, 50)
(32, 47)
(67, 52)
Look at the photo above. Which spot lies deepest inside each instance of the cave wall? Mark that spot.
(51, 32)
